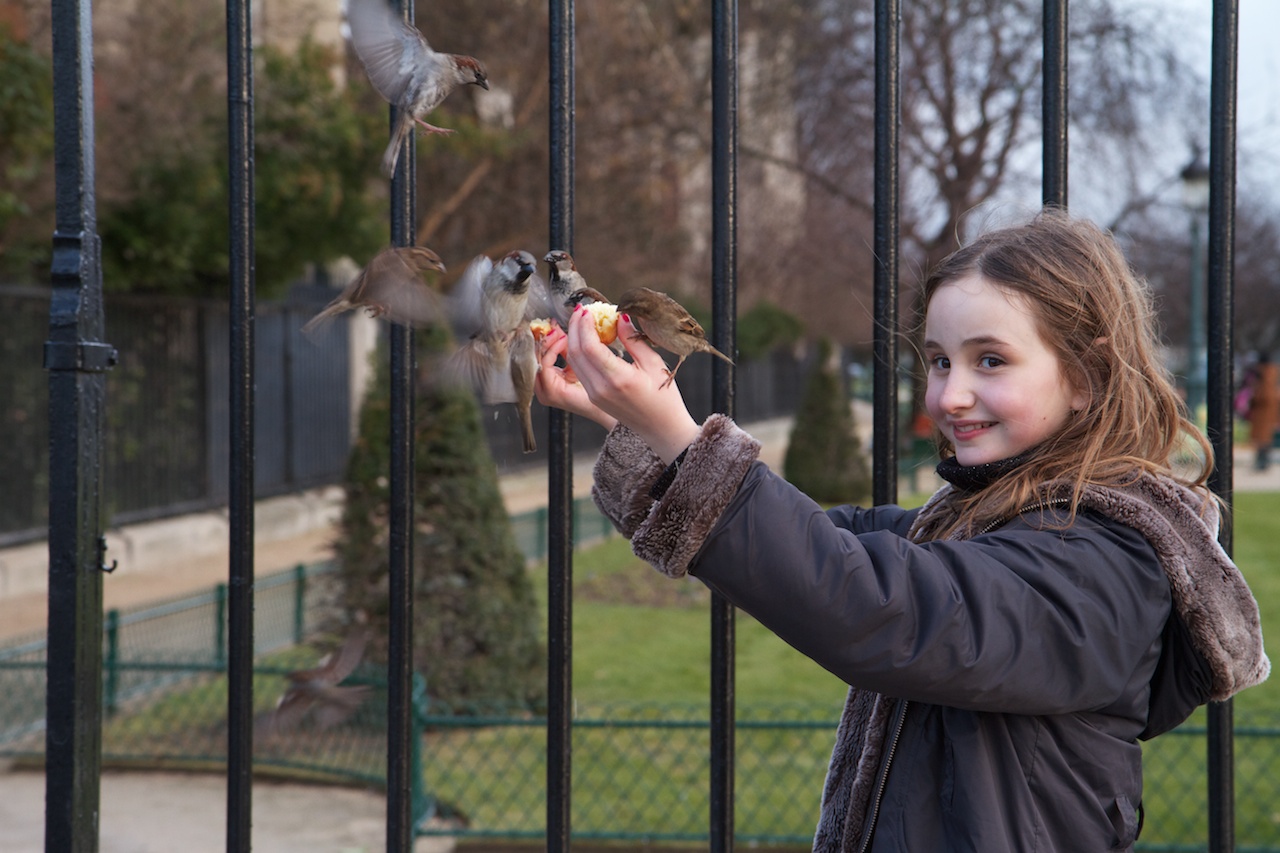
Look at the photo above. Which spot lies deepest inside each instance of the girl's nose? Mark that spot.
(956, 394)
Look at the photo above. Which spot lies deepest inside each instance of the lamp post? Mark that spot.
(1195, 198)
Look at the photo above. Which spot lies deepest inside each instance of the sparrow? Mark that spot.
(405, 70)
(317, 692)
(391, 285)
(524, 371)
(566, 286)
(666, 324)
(491, 306)
(567, 289)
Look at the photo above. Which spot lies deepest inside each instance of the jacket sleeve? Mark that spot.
(1030, 619)
(668, 530)
(624, 474)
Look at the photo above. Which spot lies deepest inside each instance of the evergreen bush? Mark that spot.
(476, 638)
(824, 456)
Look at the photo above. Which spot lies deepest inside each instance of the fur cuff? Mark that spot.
(708, 479)
(623, 475)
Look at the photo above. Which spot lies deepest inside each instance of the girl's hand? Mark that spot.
(635, 393)
(559, 387)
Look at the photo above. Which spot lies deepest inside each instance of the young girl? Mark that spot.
(1007, 645)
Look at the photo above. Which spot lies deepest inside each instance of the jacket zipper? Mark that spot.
(883, 780)
(1038, 505)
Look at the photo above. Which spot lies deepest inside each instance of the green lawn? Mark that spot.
(640, 742)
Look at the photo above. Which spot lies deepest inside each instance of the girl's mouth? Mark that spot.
(962, 431)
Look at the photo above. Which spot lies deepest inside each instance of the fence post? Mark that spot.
(220, 626)
(400, 767)
(77, 361)
(423, 804)
(111, 661)
(1221, 292)
(724, 284)
(299, 603)
(558, 522)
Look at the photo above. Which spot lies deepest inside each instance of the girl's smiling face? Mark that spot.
(995, 389)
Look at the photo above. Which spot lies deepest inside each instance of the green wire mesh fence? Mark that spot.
(640, 771)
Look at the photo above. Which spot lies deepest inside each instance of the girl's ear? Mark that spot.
(1080, 401)
(1082, 397)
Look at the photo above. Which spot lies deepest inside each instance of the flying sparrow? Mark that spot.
(317, 692)
(666, 324)
(391, 285)
(405, 70)
(491, 305)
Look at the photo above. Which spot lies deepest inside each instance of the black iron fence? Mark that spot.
(166, 429)
(78, 355)
(166, 435)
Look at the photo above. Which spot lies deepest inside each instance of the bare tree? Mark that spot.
(971, 118)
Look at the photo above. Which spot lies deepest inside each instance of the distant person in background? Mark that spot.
(1264, 409)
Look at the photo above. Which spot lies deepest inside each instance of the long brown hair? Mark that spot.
(1097, 316)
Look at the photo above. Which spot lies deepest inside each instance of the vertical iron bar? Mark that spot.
(560, 452)
(220, 625)
(400, 732)
(76, 360)
(299, 603)
(1054, 110)
(884, 466)
(111, 662)
(724, 279)
(240, 498)
(1221, 288)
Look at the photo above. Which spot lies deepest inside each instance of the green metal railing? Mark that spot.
(641, 771)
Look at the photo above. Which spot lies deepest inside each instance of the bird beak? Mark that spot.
(482, 83)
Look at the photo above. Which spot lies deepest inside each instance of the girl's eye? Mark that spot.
(990, 361)
(940, 362)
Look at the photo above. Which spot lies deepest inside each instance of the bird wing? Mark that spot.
(389, 47)
(483, 367)
(348, 657)
(465, 301)
(539, 304)
(400, 291)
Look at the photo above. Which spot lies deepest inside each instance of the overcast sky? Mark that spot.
(1259, 81)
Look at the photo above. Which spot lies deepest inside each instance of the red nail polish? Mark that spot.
(626, 318)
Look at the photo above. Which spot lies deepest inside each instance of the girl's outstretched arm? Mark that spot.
(634, 393)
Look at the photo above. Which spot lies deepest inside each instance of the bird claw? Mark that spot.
(431, 128)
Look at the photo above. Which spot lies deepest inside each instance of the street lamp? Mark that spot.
(1195, 198)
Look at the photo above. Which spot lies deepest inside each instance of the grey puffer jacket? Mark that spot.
(999, 685)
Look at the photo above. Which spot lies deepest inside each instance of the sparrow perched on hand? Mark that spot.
(492, 305)
(391, 286)
(405, 70)
(566, 287)
(317, 691)
(666, 324)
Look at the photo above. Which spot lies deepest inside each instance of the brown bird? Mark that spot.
(524, 371)
(316, 692)
(665, 323)
(405, 70)
(491, 306)
(391, 285)
(566, 286)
